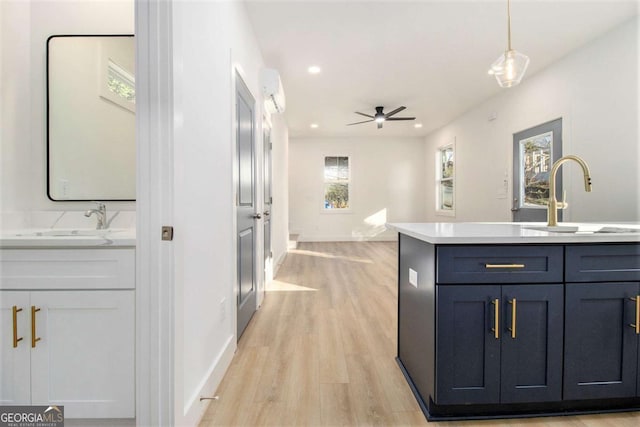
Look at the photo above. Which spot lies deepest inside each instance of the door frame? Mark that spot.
(535, 214)
(267, 268)
(155, 322)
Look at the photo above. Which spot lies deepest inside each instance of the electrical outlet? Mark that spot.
(63, 188)
(413, 277)
(223, 310)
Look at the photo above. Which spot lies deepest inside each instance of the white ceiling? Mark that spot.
(431, 56)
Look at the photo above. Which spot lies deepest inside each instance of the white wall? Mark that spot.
(387, 185)
(595, 91)
(280, 190)
(15, 105)
(211, 41)
(24, 31)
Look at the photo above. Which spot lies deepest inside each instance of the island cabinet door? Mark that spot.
(531, 342)
(468, 344)
(601, 345)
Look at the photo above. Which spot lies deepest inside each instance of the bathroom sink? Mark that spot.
(67, 237)
(585, 228)
(63, 232)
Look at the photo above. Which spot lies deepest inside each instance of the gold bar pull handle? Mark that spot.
(496, 318)
(513, 318)
(16, 340)
(34, 339)
(504, 265)
(637, 324)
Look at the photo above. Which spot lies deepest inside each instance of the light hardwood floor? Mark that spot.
(321, 350)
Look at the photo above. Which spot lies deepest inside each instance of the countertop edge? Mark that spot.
(539, 237)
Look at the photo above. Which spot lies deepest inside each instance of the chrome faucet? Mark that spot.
(552, 207)
(101, 215)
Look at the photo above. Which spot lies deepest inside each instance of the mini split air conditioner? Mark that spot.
(272, 90)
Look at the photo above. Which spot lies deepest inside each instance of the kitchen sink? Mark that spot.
(585, 228)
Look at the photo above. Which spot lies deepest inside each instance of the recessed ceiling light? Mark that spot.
(314, 126)
(417, 125)
(314, 69)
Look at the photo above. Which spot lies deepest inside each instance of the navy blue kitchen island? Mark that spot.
(499, 320)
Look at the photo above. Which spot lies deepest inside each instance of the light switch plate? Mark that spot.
(413, 277)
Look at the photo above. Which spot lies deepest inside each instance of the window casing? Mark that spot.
(445, 180)
(337, 177)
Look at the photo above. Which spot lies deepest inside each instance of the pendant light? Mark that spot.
(510, 67)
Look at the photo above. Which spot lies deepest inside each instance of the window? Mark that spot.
(445, 180)
(535, 158)
(116, 84)
(336, 183)
(121, 82)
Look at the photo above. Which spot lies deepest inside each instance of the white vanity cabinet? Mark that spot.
(67, 330)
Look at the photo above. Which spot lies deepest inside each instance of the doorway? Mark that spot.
(534, 151)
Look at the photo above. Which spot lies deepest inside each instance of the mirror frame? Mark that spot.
(48, 90)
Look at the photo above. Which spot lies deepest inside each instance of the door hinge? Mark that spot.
(271, 146)
(167, 232)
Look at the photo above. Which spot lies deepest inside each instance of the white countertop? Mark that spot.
(67, 238)
(510, 233)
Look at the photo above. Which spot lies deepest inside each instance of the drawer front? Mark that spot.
(602, 263)
(67, 268)
(499, 264)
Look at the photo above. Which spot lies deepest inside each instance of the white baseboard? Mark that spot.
(278, 264)
(195, 408)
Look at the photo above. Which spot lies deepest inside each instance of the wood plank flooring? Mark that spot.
(321, 350)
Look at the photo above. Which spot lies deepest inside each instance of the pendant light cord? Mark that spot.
(508, 25)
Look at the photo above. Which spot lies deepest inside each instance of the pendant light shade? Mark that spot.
(510, 67)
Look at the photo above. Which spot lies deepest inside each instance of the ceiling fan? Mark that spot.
(380, 117)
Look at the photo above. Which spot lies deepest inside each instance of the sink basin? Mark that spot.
(69, 233)
(585, 228)
(618, 230)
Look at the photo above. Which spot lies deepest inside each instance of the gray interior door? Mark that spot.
(268, 199)
(245, 205)
(534, 151)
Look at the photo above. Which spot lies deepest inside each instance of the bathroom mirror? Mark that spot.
(91, 152)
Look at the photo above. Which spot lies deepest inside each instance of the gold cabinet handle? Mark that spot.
(513, 318)
(34, 339)
(16, 340)
(496, 318)
(637, 324)
(504, 266)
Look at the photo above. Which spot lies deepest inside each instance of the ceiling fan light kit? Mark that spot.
(380, 117)
(510, 67)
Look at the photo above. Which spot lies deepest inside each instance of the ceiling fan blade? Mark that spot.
(401, 118)
(357, 123)
(379, 125)
(363, 114)
(397, 110)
